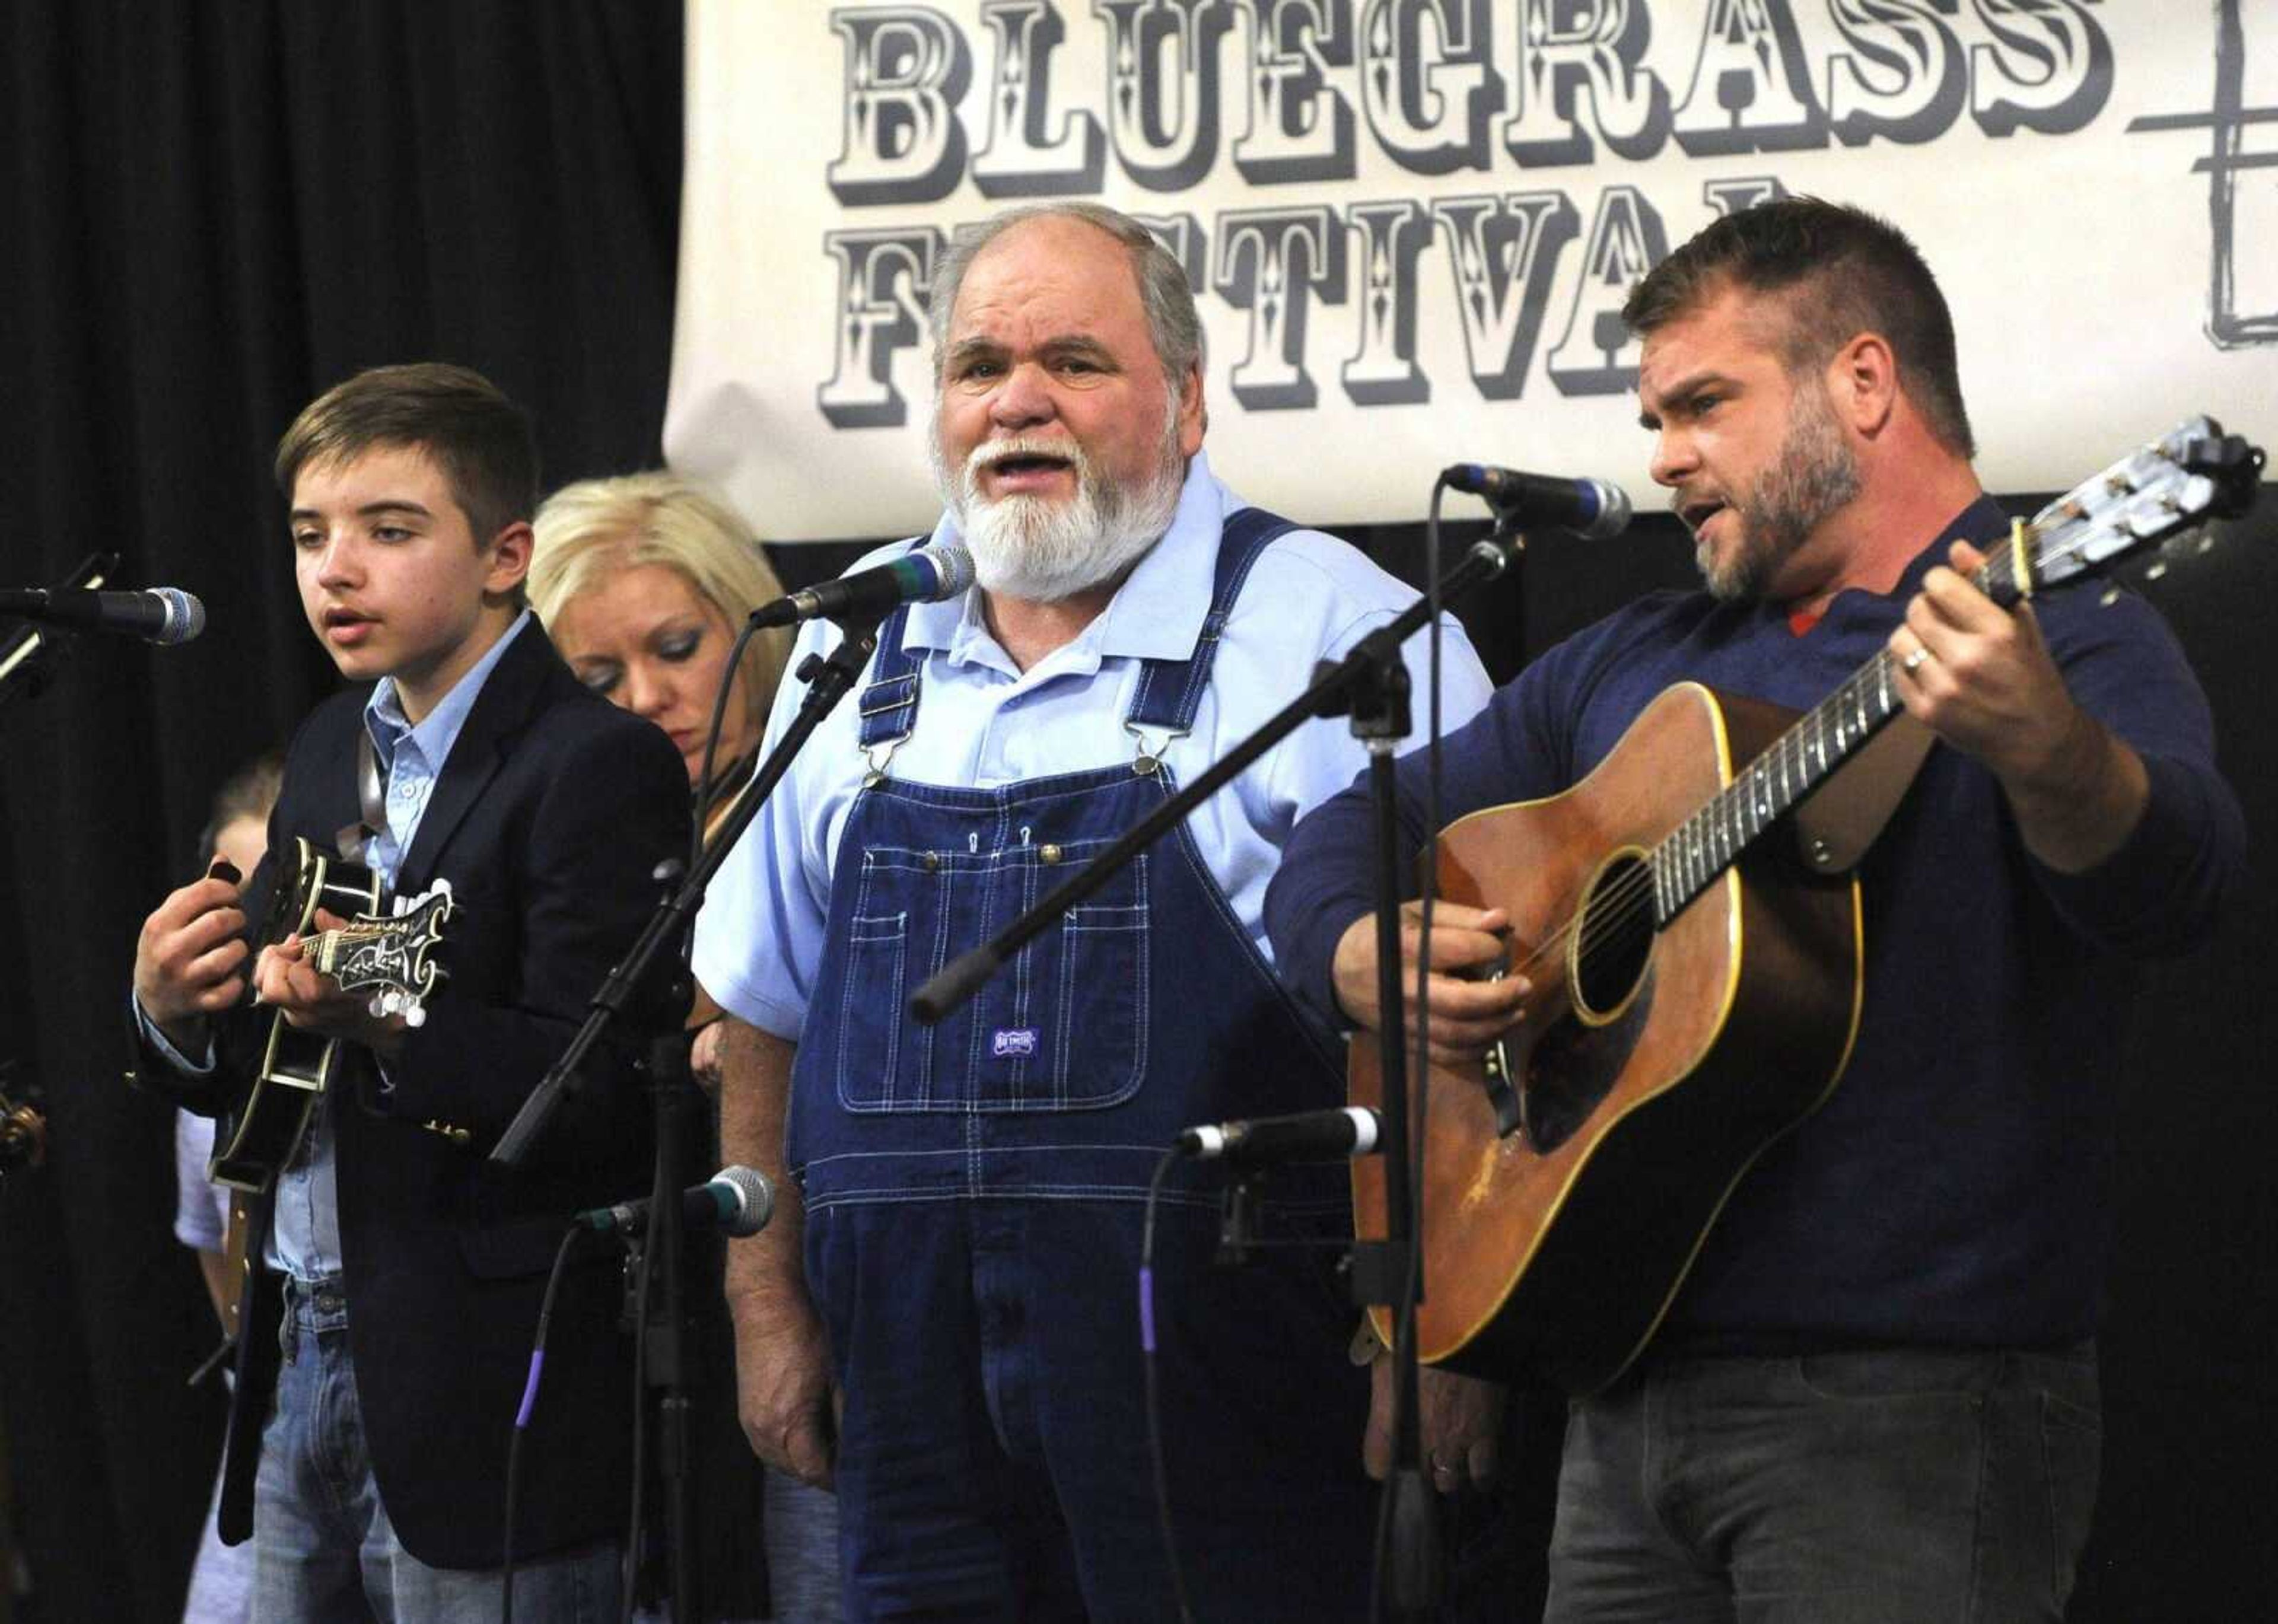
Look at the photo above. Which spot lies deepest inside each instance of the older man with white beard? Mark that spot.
(943, 1319)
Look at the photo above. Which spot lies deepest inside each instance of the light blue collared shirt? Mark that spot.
(982, 722)
(305, 1236)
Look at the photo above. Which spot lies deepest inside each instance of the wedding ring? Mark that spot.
(1913, 661)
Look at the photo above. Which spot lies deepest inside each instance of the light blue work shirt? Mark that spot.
(982, 723)
(304, 1234)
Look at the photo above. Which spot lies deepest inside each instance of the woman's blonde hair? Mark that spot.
(593, 530)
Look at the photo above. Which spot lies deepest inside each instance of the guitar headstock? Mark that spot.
(2194, 473)
(393, 957)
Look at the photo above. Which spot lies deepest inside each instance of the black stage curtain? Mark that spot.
(216, 209)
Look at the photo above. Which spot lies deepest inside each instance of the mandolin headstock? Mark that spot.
(391, 956)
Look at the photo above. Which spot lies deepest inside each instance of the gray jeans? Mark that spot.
(1859, 1488)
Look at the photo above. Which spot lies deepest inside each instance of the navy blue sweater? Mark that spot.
(1953, 1190)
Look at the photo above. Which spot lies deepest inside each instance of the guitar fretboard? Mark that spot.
(2158, 489)
(1803, 757)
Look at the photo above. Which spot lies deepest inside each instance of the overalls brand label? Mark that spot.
(1012, 1042)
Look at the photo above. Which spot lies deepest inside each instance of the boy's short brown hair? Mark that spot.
(482, 440)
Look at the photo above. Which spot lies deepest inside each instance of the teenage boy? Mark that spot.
(399, 1275)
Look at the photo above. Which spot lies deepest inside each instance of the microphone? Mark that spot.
(1308, 1136)
(927, 576)
(163, 614)
(1592, 509)
(735, 1199)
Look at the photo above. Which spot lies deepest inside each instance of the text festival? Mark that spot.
(1442, 89)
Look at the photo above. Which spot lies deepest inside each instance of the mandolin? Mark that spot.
(1699, 985)
(390, 955)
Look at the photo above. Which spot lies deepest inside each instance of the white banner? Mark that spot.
(1411, 223)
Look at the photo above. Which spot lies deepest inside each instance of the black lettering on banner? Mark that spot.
(1500, 252)
(1163, 86)
(1301, 127)
(1428, 81)
(1273, 263)
(884, 280)
(1442, 87)
(908, 67)
(1579, 56)
(1026, 156)
(1189, 242)
(2049, 68)
(1904, 78)
(2229, 327)
(1751, 87)
(1739, 192)
(1599, 355)
(1392, 237)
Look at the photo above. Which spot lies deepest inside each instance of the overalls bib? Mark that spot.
(974, 1194)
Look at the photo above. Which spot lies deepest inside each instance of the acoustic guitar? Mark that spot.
(1699, 985)
(391, 956)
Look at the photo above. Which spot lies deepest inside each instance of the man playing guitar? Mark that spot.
(1873, 1395)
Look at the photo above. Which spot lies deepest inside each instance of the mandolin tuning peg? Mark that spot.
(414, 1013)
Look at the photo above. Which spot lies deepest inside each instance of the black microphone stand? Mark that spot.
(29, 653)
(830, 678)
(1371, 685)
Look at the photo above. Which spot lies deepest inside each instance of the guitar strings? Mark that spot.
(1623, 913)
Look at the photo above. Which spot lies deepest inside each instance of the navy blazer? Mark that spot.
(549, 817)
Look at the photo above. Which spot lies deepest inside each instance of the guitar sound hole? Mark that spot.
(1576, 1062)
(1616, 935)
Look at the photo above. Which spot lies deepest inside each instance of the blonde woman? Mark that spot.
(643, 582)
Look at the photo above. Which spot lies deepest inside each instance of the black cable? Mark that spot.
(707, 791)
(522, 1416)
(1170, 1159)
(630, 1564)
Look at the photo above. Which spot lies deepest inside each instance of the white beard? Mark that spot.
(1043, 550)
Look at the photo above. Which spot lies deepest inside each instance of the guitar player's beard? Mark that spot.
(1814, 474)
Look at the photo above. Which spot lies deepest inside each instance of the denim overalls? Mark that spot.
(974, 1191)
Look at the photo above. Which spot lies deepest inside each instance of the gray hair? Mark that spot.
(1172, 324)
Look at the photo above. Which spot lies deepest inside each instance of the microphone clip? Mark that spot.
(1239, 1229)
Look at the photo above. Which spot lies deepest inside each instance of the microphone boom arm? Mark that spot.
(963, 976)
